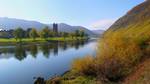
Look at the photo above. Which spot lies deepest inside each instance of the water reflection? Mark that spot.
(33, 50)
(40, 60)
(21, 51)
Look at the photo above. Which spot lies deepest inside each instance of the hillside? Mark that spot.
(135, 17)
(128, 40)
(12, 23)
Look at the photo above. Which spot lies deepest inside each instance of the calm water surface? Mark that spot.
(20, 64)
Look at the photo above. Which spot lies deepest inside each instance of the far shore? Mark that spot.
(12, 41)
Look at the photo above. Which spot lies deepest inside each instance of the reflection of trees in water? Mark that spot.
(75, 44)
(48, 48)
(64, 46)
(79, 44)
(56, 48)
(20, 52)
(53, 47)
(6, 50)
(33, 50)
(82, 43)
(45, 49)
(71, 44)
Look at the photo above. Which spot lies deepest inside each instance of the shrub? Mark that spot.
(111, 70)
(55, 80)
(148, 51)
(84, 66)
(117, 55)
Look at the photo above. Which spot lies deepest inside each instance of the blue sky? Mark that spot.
(93, 14)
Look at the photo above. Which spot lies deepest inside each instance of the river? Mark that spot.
(21, 63)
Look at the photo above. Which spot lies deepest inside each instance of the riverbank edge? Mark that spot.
(7, 42)
(69, 77)
(138, 75)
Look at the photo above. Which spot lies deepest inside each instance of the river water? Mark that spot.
(21, 63)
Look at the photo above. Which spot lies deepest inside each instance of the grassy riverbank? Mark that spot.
(12, 41)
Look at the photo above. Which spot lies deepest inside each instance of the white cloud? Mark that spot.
(102, 24)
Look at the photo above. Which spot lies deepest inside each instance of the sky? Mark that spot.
(93, 14)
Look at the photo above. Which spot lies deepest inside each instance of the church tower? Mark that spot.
(55, 27)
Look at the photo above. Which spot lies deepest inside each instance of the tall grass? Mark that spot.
(84, 66)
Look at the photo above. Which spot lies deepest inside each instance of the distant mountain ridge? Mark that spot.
(12, 23)
(98, 32)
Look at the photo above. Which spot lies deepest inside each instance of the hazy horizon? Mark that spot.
(92, 14)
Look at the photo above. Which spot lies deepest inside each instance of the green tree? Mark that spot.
(72, 35)
(61, 34)
(82, 33)
(45, 33)
(51, 33)
(77, 33)
(65, 34)
(27, 33)
(18, 34)
(33, 33)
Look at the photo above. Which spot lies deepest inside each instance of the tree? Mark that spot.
(45, 33)
(61, 34)
(33, 33)
(65, 34)
(51, 33)
(18, 33)
(77, 33)
(82, 33)
(27, 34)
(72, 35)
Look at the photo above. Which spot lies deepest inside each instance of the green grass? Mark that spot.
(80, 80)
(28, 40)
(72, 78)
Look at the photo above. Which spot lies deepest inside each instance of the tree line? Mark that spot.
(45, 33)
